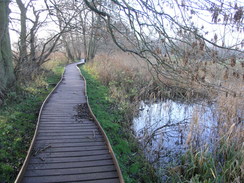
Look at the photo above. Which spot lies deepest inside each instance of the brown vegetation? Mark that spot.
(207, 79)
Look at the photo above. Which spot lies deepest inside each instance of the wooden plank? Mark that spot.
(65, 123)
(73, 140)
(70, 124)
(50, 149)
(75, 154)
(80, 136)
(58, 119)
(61, 122)
(57, 108)
(75, 177)
(50, 166)
(113, 180)
(71, 144)
(68, 130)
(70, 171)
(43, 159)
(109, 180)
(64, 101)
(69, 134)
(59, 103)
(58, 116)
(68, 127)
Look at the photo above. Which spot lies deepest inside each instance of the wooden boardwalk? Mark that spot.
(69, 144)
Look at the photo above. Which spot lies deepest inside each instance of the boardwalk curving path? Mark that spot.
(69, 144)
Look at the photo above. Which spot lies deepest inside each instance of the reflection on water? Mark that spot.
(167, 128)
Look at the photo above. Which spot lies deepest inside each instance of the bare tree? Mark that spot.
(64, 11)
(33, 52)
(168, 35)
(86, 29)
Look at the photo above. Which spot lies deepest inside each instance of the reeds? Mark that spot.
(225, 165)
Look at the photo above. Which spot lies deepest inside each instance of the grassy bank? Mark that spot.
(18, 117)
(113, 120)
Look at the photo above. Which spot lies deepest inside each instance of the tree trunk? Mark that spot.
(68, 51)
(84, 42)
(83, 23)
(92, 45)
(23, 32)
(64, 38)
(6, 66)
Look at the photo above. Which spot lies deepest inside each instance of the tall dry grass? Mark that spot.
(202, 79)
(130, 77)
(55, 59)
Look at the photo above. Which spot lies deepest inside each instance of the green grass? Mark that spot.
(18, 117)
(133, 164)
